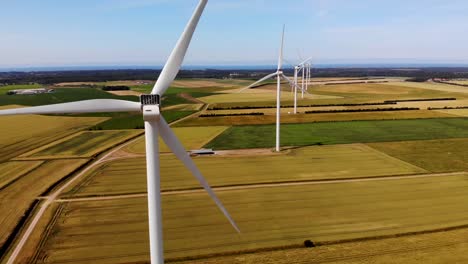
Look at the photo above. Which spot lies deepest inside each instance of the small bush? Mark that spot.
(309, 244)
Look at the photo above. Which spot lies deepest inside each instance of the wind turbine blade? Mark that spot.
(174, 144)
(302, 63)
(260, 81)
(176, 58)
(292, 83)
(280, 60)
(88, 106)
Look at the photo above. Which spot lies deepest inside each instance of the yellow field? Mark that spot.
(311, 163)
(191, 138)
(184, 107)
(17, 197)
(10, 171)
(268, 217)
(433, 155)
(19, 134)
(82, 144)
(433, 86)
(439, 247)
(257, 96)
(457, 112)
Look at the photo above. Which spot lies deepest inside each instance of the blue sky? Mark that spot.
(242, 32)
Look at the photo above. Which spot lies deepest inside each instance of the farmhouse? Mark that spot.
(30, 91)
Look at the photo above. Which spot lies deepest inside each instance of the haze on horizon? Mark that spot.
(241, 32)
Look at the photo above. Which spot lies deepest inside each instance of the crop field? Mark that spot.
(240, 137)
(438, 247)
(5, 89)
(17, 197)
(20, 134)
(257, 97)
(191, 138)
(203, 83)
(311, 163)
(434, 87)
(309, 118)
(82, 144)
(194, 226)
(457, 112)
(61, 95)
(11, 171)
(433, 155)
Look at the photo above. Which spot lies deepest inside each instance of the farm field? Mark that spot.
(309, 118)
(191, 138)
(82, 144)
(439, 247)
(305, 164)
(434, 87)
(5, 89)
(323, 213)
(11, 171)
(17, 197)
(458, 112)
(20, 134)
(256, 97)
(239, 137)
(433, 155)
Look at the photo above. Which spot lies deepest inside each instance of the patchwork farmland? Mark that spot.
(361, 186)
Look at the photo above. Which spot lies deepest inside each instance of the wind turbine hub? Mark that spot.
(150, 105)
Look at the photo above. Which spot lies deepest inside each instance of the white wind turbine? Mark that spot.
(303, 66)
(279, 75)
(155, 126)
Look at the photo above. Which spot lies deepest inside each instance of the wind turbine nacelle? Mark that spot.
(150, 104)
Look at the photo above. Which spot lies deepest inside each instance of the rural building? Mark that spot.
(30, 91)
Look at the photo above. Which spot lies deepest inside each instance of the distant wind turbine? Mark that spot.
(279, 75)
(155, 125)
(303, 66)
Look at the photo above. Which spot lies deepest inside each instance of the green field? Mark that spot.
(308, 118)
(311, 163)
(82, 144)
(268, 217)
(17, 197)
(11, 171)
(239, 137)
(20, 134)
(5, 89)
(433, 155)
(61, 95)
(191, 138)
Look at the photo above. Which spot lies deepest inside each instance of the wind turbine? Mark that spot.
(155, 126)
(279, 75)
(297, 69)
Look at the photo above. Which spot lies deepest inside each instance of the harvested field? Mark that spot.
(439, 247)
(257, 97)
(433, 155)
(82, 144)
(312, 163)
(240, 137)
(457, 112)
(191, 138)
(434, 87)
(16, 198)
(11, 171)
(21, 134)
(268, 217)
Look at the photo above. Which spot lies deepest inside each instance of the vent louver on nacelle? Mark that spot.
(150, 99)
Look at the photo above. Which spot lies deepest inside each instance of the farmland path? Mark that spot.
(264, 185)
(48, 200)
(51, 198)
